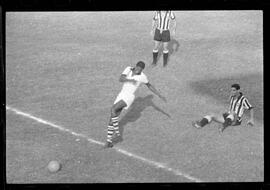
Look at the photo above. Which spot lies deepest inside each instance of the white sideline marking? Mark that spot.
(145, 160)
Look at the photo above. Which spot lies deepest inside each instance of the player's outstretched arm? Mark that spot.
(123, 78)
(154, 90)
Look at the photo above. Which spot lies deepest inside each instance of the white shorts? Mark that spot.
(128, 98)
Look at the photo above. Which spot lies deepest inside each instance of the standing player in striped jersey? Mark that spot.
(161, 32)
(132, 77)
(238, 103)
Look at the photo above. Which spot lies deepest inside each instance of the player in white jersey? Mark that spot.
(132, 77)
(161, 32)
(238, 103)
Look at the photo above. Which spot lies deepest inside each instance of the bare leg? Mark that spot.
(165, 46)
(217, 118)
(116, 111)
(117, 108)
(113, 123)
(208, 119)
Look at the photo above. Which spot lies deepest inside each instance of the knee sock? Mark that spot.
(110, 133)
(115, 125)
(205, 121)
(165, 57)
(155, 55)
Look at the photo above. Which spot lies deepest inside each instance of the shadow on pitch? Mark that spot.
(135, 112)
(219, 88)
(173, 47)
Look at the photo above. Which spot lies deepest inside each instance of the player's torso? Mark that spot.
(236, 106)
(130, 87)
(163, 18)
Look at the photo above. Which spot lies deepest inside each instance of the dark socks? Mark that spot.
(165, 58)
(227, 122)
(155, 55)
(203, 122)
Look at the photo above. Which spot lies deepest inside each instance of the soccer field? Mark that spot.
(62, 71)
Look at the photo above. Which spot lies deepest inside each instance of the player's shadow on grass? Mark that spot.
(219, 88)
(135, 112)
(173, 47)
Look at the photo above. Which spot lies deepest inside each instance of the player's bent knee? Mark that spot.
(113, 112)
(116, 110)
(231, 116)
(110, 123)
(209, 118)
(157, 44)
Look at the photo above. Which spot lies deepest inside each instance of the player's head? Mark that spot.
(235, 88)
(139, 67)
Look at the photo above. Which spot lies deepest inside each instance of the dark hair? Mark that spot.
(236, 86)
(141, 64)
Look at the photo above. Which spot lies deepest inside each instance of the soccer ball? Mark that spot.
(54, 166)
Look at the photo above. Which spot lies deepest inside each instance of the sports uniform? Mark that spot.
(236, 109)
(160, 27)
(132, 78)
(129, 88)
(162, 32)
(238, 104)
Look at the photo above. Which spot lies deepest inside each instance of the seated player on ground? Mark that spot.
(238, 103)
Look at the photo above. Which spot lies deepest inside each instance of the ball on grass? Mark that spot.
(54, 166)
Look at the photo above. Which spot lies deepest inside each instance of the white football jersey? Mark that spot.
(130, 87)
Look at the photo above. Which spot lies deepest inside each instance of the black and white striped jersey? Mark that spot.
(163, 19)
(238, 105)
